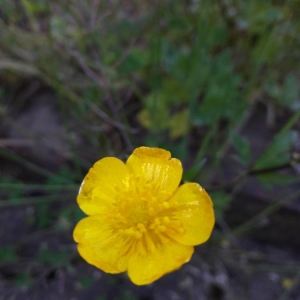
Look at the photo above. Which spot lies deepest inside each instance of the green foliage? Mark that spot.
(23, 280)
(135, 61)
(66, 218)
(270, 179)
(289, 94)
(43, 218)
(221, 201)
(8, 254)
(10, 193)
(86, 281)
(243, 148)
(193, 171)
(64, 176)
(34, 7)
(278, 152)
(184, 77)
(55, 259)
(222, 98)
(127, 295)
(194, 69)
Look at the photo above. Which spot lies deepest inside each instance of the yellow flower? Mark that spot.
(139, 220)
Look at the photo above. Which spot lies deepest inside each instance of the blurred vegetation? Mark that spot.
(182, 75)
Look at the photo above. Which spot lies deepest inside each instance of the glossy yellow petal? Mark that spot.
(155, 166)
(167, 257)
(98, 189)
(102, 246)
(195, 213)
(139, 220)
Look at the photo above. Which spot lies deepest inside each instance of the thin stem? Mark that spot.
(49, 187)
(36, 200)
(269, 169)
(31, 166)
(242, 229)
(110, 99)
(247, 173)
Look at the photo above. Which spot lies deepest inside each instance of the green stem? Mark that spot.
(23, 186)
(248, 225)
(36, 200)
(246, 173)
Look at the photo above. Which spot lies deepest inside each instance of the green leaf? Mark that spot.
(11, 193)
(270, 179)
(59, 27)
(79, 214)
(277, 152)
(34, 7)
(156, 113)
(175, 91)
(178, 124)
(221, 201)
(127, 295)
(291, 92)
(192, 172)
(8, 254)
(221, 97)
(136, 60)
(43, 219)
(64, 176)
(86, 281)
(261, 15)
(52, 258)
(23, 279)
(243, 148)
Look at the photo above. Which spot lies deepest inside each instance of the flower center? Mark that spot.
(146, 213)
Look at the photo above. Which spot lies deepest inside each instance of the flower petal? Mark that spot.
(101, 246)
(167, 257)
(98, 188)
(155, 165)
(195, 214)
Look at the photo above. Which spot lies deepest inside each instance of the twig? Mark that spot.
(107, 118)
(88, 71)
(125, 53)
(247, 173)
(95, 8)
(100, 82)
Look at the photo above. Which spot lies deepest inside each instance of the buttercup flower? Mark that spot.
(139, 220)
